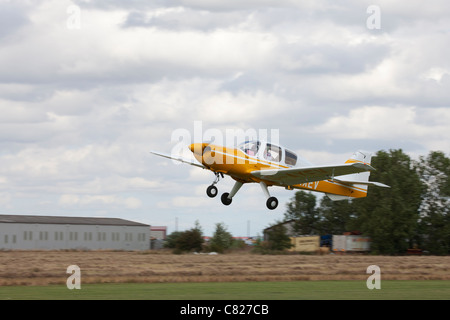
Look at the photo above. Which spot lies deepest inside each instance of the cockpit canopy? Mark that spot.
(269, 152)
(250, 147)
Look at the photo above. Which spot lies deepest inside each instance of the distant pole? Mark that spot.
(176, 223)
(248, 228)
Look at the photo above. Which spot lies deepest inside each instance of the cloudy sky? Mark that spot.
(88, 88)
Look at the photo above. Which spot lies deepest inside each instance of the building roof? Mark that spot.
(158, 228)
(284, 223)
(4, 218)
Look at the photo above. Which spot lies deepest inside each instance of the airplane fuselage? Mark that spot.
(239, 164)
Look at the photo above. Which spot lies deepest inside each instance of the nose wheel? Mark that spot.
(211, 191)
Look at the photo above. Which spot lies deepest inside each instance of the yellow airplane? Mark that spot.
(273, 165)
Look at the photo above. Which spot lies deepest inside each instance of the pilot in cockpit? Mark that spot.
(268, 156)
(253, 150)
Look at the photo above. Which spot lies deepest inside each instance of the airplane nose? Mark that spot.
(196, 148)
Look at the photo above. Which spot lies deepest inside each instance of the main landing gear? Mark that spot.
(227, 198)
(271, 202)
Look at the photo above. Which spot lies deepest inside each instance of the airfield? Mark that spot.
(243, 275)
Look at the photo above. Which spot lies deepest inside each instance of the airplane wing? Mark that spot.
(293, 176)
(184, 160)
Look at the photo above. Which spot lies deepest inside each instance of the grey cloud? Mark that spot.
(13, 16)
(340, 58)
(184, 19)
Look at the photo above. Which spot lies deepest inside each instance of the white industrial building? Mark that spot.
(25, 232)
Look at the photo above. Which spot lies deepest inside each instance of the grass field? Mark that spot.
(162, 275)
(296, 290)
(42, 268)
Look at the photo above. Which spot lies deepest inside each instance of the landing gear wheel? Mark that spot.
(225, 199)
(272, 203)
(211, 191)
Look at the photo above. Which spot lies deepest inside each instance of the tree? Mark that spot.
(189, 240)
(171, 240)
(434, 210)
(336, 217)
(221, 239)
(278, 238)
(302, 209)
(389, 215)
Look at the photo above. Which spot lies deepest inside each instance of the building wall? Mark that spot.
(158, 233)
(59, 236)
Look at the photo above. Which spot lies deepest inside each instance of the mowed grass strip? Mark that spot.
(295, 290)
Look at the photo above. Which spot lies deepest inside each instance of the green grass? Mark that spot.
(297, 290)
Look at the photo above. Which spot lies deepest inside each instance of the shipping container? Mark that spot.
(326, 240)
(338, 243)
(357, 243)
(305, 243)
(350, 243)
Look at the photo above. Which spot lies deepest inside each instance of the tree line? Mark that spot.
(193, 240)
(412, 213)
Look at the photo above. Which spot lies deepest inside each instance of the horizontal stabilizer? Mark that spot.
(365, 183)
(336, 197)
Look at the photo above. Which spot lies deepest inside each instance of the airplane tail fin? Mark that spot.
(357, 180)
(358, 157)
